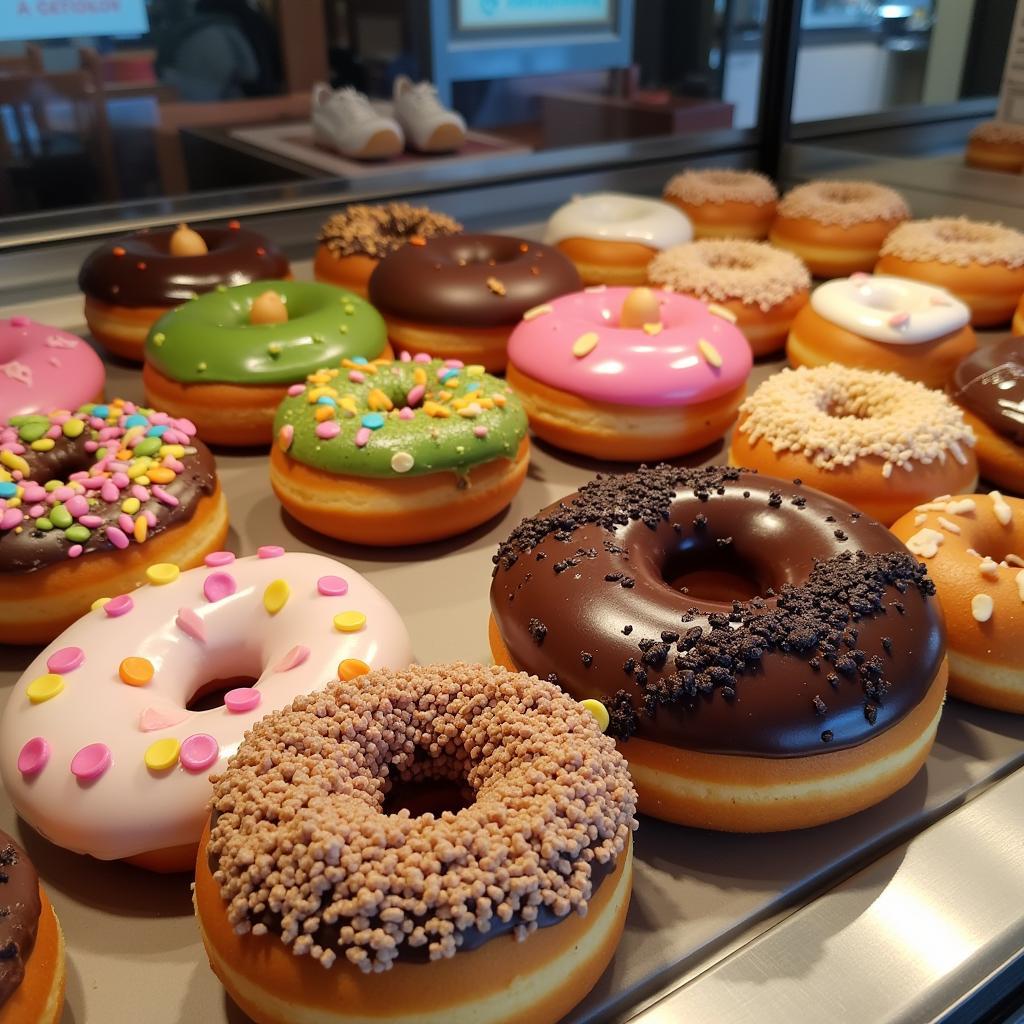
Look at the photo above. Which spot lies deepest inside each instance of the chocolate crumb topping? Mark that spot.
(20, 908)
(376, 231)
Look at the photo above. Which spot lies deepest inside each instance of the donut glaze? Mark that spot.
(470, 280)
(20, 908)
(103, 757)
(138, 270)
(43, 368)
(990, 384)
(618, 217)
(842, 642)
(693, 356)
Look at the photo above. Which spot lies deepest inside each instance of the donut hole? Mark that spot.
(839, 192)
(963, 232)
(883, 296)
(842, 407)
(209, 693)
(487, 255)
(710, 573)
(731, 261)
(427, 784)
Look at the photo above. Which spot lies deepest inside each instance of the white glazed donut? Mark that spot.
(894, 310)
(98, 750)
(618, 217)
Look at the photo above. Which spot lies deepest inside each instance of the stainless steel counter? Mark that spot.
(893, 914)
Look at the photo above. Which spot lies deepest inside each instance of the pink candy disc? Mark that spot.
(153, 719)
(242, 699)
(218, 558)
(219, 585)
(91, 762)
(295, 657)
(269, 551)
(296, 389)
(332, 586)
(191, 625)
(328, 429)
(198, 752)
(67, 659)
(118, 606)
(34, 755)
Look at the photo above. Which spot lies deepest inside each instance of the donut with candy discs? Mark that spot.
(330, 908)
(398, 452)
(130, 282)
(875, 322)
(227, 359)
(100, 749)
(89, 501)
(43, 368)
(631, 374)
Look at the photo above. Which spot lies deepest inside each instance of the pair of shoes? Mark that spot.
(346, 121)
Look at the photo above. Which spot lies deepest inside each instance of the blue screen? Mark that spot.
(56, 19)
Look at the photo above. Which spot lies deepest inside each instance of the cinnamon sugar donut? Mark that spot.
(997, 146)
(980, 262)
(882, 443)
(317, 904)
(724, 204)
(837, 227)
(762, 287)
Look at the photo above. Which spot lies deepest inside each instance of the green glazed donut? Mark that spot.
(400, 418)
(210, 340)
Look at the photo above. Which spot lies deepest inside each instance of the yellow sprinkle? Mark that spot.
(378, 401)
(162, 754)
(323, 412)
(439, 411)
(470, 411)
(141, 529)
(710, 353)
(73, 427)
(276, 596)
(599, 711)
(99, 603)
(349, 622)
(176, 451)
(348, 404)
(162, 572)
(352, 667)
(419, 375)
(44, 688)
(161, 474)
(452, 382)
(653, 328)
(725, 314)
(139, 468)
(14, 502)
(474, 370)
(317, 393)
(124, 455)
(499, 401)
(530, 314)
(14, 462)
(486, 403)
(584, 344)
(44, 444)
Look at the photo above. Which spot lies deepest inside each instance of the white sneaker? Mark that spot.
(429, 126)
(345, 121)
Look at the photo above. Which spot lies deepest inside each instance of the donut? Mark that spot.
(882, 443)
(611, 237)
(620, 373)
(981, 263)
(722, 203)
(763, 287)
(459, 297)
(989, 388)
(837, 227)
(398, 452)
(101, 748)
(89, 502)
(226, 360)
(506, 906)
(43, 368)
(875, 322)
(1017, 324)
(768, 657)
(996, 146)
(973, 545)
(353, 242)
(131, 282)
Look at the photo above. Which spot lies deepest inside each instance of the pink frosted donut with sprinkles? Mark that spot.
(88, 501)
(108, 740)
(43, 368)
(629, 374)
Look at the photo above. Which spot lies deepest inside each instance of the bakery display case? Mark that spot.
(909, 910)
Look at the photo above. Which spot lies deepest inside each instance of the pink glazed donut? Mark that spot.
(98, 748)
(630, 374)
(43, 369)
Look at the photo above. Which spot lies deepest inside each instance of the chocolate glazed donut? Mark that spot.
(20, 908)
(748, 634)
(990, 384)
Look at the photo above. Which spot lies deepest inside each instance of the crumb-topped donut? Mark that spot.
(723, 203)
(345, 909)
(837, 227)
(875, 322)
(130, 282)
(981, 263)
(32, 970)
(997, 146)
(460, 297)
(43, 368)
(773, 657)
(763, 287)
(102, 752)
(351, 243)
(611, 236)
(989, 388)
(621, 373)
(398, 452)
(88, 501)
(882, 443)
(227, 359)
(973, 545)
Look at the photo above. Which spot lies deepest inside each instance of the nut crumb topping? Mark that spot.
(956, 240)
(718, 185)
(377, 231)
(843, 203)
